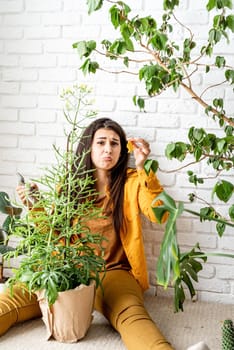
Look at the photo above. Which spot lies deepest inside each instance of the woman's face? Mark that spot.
(105, 149)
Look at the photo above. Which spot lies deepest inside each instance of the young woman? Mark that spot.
(124, 194)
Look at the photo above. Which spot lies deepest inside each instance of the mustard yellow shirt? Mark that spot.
(139, 191)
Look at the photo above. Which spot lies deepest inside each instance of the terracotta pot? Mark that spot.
(69, 318)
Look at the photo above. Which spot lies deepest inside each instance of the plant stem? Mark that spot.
(211, 219)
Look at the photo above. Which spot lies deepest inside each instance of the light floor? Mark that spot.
(199, 321)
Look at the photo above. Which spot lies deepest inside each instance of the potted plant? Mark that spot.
(60, 263)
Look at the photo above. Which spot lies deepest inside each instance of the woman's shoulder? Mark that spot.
(131, 173)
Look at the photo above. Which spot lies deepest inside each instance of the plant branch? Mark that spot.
(211, 87)
(210, 219)
(205, 105)
(182, 167)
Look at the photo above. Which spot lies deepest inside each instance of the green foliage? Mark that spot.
(59, 249)
(13, 212)
(94, 5)
(173, 266)
(84, 48)
(150, 164)
(176, 150)
(223, 190)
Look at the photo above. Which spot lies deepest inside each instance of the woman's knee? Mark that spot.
(17, 306)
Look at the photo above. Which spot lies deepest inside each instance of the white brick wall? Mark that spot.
(37, 61)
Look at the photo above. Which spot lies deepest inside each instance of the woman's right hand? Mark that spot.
(28, 195)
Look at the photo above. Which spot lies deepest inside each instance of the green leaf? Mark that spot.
(6, 207)
(224, 190)
(220, 61)
(221, 144)
(140, 102)
(220, 227)
(176, 150)
(170, 4)
(186, 279)
(89, 67)
(126, 61)
(211, 4)
(151, 164)
(168, 202)
(115, 16)
(229, 74)
(84, 48)
(118, 47)
(4, 202)
(230, 22)
(231, 212)
(159, 41)
(179, 296)
(94, 5)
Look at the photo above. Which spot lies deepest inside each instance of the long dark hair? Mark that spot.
(117, 174)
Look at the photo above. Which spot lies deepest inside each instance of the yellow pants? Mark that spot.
(121, 302)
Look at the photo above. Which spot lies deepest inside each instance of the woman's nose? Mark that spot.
(107, 148)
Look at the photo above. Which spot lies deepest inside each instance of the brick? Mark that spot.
(18, 156)
(19, 74)
(48, 102)
(226, 298)
(190, 240)
(37, 116)
(11, 6)
(48, 129)
(18, 128)
(104, 104)
(43, 5)
(45, 157)
(38, 87)
(7, 168)
(185, 107)
(37, 61)
(15, 101)
(7, 180)
(213, 284)
(22, 19)
(24, 46)
(8, 141)
(42, 32)
(78, 34)
(156, 120)
(9, 88)
(2, 46)
(227, 243)
(8, 114)
(11, 33)
(68, 60)
(64, 19)
(73, 5)
(229, 272)
(58, 46)
(62, 74)
(8, 61)
(36, 142)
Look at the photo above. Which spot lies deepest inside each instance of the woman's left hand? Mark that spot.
(141, 150)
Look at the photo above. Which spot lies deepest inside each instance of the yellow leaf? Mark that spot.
(130, 146)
